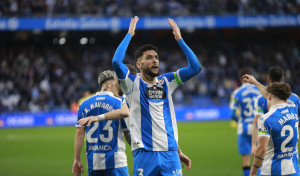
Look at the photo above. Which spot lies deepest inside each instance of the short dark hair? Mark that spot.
(139, 52)
(275, 74)
(245, 70)
(132, 69)
(280, 90)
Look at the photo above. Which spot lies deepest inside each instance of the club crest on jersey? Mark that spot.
(155, 92)
(161, 81)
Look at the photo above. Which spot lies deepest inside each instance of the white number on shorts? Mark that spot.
(141, 171)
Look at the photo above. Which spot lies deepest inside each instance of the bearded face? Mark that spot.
(149, 63)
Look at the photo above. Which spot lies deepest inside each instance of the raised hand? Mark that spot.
(176, 30)
(249, 79)
(132, 25)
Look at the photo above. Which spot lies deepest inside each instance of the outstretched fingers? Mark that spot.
(132, 25)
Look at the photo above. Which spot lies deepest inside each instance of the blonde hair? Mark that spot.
(105, 76)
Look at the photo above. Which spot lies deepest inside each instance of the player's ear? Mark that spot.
(138, 64)
(269, 96)
(108, 84)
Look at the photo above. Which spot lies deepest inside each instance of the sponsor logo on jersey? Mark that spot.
(155, 92)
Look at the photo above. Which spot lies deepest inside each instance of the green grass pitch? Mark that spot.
(49, 151)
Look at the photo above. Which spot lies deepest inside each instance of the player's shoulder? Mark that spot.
(294, 97)
(261, 99)
(269, 114)
(87, 101)
(170, 76)
(132, 77)
(109, 95)
(237, 91)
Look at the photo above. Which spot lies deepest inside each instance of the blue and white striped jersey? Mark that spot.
(281, 125)
(244, 98)
(152, 121)
(105, 147)
(261, 104)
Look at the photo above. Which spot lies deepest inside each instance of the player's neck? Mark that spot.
(277, 101)
(147, 78)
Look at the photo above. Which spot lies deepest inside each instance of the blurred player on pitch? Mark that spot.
(243, 98)
(152, 122)
(105, 147)
(278, 133)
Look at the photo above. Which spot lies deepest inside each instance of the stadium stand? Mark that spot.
(128, 8)
(39, 74)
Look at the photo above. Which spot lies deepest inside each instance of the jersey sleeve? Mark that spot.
(127, 83)
(263, 127)
(233, 102)
(258, 106)
(80, 115)
(173, 79)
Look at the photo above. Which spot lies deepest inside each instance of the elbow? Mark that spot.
(197, 67)
(114, 62)
(125, 113)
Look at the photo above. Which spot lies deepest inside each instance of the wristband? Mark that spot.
(101, 117)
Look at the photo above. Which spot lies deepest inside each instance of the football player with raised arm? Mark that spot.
(278, 133)
(275, 74)
(152, 121)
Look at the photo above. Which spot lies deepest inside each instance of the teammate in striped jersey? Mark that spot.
(152, 122)
(105, 147)
(243, 98)
(277, 150)
(275, 74)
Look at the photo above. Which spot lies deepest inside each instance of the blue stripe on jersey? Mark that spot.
(146, 121)
(168, 125)
(109, 161)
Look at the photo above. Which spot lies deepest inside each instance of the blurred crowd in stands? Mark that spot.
(37, 74)
(127, 8)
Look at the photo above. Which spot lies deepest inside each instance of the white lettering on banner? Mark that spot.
(156, 23)
(61, 24)
(252, 21)
(15, 121)
(283, 21)
(190, 22)
(209, 114)
(255, 21)
(94, 23)
(65, 119)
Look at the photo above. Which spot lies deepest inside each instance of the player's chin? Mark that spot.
(154, 73)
